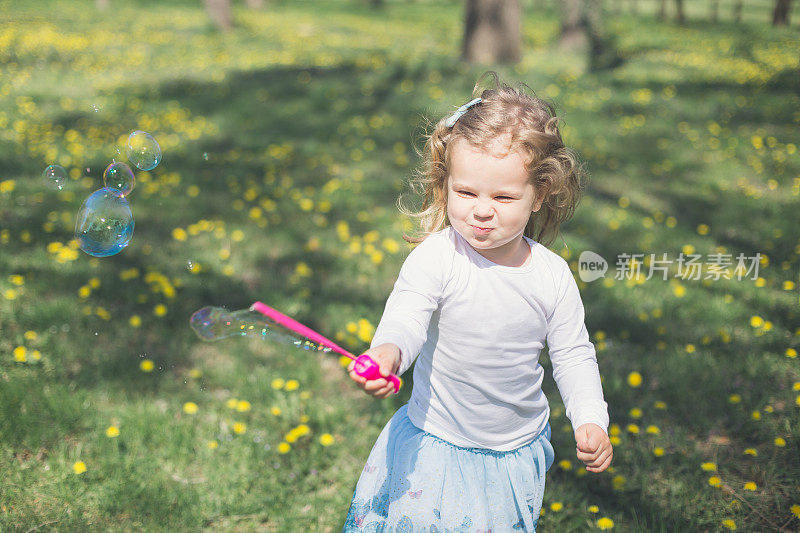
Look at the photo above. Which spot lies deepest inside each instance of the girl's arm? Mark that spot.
(416, 295)
(573, 356)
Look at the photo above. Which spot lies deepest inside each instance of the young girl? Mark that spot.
(476, 301)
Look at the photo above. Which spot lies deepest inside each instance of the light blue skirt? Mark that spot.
(415, 482)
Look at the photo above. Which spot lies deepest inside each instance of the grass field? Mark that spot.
(286, 143)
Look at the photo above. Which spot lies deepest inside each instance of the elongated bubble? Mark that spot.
(215, 323)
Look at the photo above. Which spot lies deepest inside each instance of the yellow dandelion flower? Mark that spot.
(284, 447)
(365, 330)
(179, 234)
(797, 400)
(702, 229)
(195, 373)
(714, 481)
(556, 506)
(30, 335)
(231, 403)
(690, 348)
(243, 406)
(658, 451)
(756, 415)
(604, 523)
(135, 321)
(239, 428)
(734, 398)
(751, 451)
(291, 385)
(147, 365)
(565, 464)
(278, 383)
(679, 291)
(160, 310)
(660, 405)
(237, 235)
(326, 439)
(190, 408)
(20, 354)
(632, 428)
(795, 509)
(79, 467)
(780, 442)
(84, 292)
(614, 429)
(212, 444)
(791, 352)
(618, 482)
(36, 355)
(750, 486)
(653, 430)
(276, 411)
(634, 379)
(593, 509)
(635, 412)
(305, 395)
(17, 280)
(709, 467)
(756, 321)
(112, 431)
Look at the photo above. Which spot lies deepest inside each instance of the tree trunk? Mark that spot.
(780, 16)
(679, 12)
(220, 13)
(737, 11)
(492, 31)
(714, 15)
(662, 10)
(602, 52)
(573, 33)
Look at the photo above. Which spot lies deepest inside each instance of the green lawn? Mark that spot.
(286, 144)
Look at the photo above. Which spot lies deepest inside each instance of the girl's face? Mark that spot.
(489, 201)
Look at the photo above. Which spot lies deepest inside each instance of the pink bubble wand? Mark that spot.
(213, 323)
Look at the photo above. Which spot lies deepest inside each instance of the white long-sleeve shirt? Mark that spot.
(478, 328)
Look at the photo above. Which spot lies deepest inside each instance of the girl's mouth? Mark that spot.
(481, 231)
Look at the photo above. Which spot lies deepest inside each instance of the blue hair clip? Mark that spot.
(451, 120)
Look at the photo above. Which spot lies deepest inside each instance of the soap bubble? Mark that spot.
(95, 108)
(105, 223)
(55, 176)
(143, 150)
(119, 176)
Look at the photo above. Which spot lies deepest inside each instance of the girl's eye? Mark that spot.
(504, 198)
(466, 193)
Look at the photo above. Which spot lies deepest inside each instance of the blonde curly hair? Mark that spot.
(532, 127)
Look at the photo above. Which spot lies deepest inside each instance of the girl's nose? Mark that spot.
(482, 209)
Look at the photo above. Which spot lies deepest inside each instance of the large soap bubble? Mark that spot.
(105, 223)
(143, 150)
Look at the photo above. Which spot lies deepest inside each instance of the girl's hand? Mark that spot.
(593, 447)
(388, 358)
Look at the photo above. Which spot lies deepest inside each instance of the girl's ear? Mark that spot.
(539, 199)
